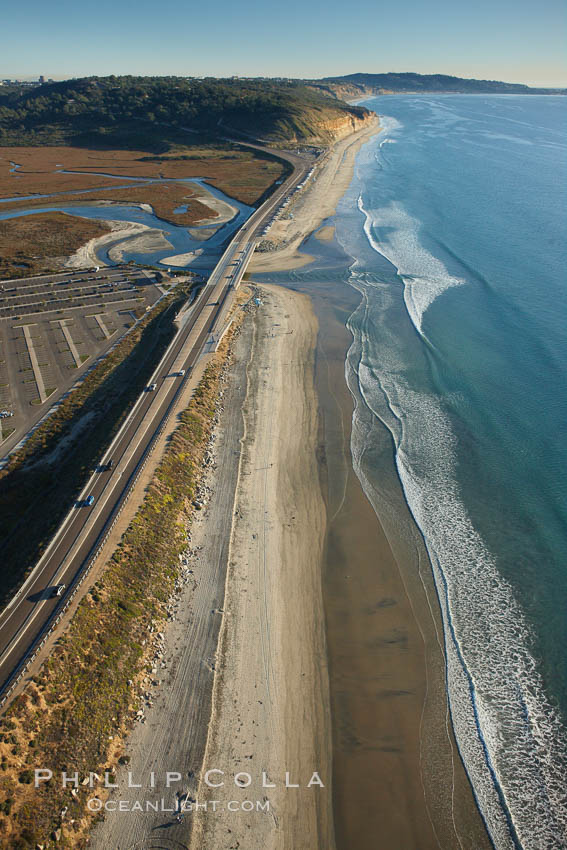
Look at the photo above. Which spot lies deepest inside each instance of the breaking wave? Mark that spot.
(424, 276)
(511, 739)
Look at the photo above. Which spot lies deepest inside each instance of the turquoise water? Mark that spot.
(462, 354)
(454, 232)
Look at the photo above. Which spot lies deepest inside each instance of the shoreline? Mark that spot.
(329, 657)
(396, 769)
(317, 203)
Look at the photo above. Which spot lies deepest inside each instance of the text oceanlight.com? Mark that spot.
(181, 807)
(177, 782)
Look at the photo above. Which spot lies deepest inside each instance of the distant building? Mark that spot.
(41, 80)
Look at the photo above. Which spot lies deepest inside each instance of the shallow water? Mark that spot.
(453, 231)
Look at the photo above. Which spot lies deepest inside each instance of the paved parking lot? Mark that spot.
(53, 327)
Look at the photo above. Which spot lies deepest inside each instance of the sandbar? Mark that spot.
(86, 255)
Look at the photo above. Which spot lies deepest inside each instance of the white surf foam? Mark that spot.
(512, 740)
(389, 126)
(424, 276)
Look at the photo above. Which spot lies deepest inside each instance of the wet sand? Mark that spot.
(398, 780)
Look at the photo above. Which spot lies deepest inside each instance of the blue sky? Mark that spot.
(512, 40)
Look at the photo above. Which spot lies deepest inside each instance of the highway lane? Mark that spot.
(26, 616)
(79, 535)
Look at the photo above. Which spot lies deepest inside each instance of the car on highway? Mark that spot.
(151, 388)
(106, 467)
(58, 590)
(89, 501)
(180, 373)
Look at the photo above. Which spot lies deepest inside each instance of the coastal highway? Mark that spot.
(33, 608)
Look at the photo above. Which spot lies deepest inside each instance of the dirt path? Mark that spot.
(173, 737)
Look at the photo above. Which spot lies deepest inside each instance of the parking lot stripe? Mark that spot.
(72, 347)
(102, 326)
(35, 363)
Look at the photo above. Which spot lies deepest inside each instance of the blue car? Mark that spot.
(89, 501)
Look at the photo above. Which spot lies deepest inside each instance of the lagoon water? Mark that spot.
(179, 237)
(454, 232)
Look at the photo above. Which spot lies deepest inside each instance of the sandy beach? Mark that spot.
(223, 211)
(398, 780)
(357, 693)
(311, 642)
(270, 700)
(182, 260)
(146, 243)
(317, 202)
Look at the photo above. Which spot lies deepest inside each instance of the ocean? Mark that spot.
(453, 231)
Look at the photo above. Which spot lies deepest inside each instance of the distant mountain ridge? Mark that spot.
(353, 85)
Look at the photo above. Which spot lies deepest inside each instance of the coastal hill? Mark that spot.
(118, 111)
(360, 85)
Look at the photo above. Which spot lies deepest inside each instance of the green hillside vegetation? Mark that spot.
(127, 111)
